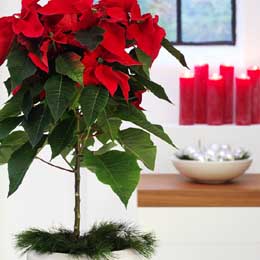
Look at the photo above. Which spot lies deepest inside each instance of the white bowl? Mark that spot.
(212, 172)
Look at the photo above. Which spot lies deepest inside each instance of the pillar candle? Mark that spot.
(187, 99)
(200, 94)
(243, 100)
(254, 74)
(215, 100)
(227, 72)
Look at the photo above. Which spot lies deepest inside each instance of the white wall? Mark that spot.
(206, 233)
(45, 198)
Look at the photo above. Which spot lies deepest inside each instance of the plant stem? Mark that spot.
(77, 183)
(53, 165)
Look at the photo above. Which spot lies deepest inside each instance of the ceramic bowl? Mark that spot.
(212, 172)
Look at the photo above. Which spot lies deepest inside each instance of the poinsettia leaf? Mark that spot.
(37, 123)
(12, 108)
(131, 114)
(173, 51)
(10, 144)
(8, 125)
(105, 148)
(27, 104)
(20, 66)
(109, 126)
(91, 38)
(93, 101)
(155, 88)
(61, 136)
(138, 143)
(117, 169)
(59, 94)
(19, 164)
(8, 85)
(145, 60)
(69, 64)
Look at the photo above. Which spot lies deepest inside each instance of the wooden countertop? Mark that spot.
(171, 190)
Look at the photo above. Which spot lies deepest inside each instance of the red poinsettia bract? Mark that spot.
(47, 31)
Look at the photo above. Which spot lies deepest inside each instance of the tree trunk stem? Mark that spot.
(77, 189)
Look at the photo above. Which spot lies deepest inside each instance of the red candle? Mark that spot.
(227, 72)
(200, 94)
(243, 100)
(254, 74)
(215, 100)
(187, 99)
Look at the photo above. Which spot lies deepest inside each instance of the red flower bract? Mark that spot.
(52, 30)
(6, 37)
(65, 7)
(41, 62)
(148, 35)
(98, 73)
(29, 23)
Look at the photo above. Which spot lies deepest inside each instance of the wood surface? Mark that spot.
(171, 190)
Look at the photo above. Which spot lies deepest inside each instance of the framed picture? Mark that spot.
(196, 22)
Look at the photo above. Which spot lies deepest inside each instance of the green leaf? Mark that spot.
(12, 108)
(10, 144)
(105, 148)
(27, 104)
(69, 64)
(20, 66)
(37, 123)
(59, 93)
(93, 101)
(19, 163)
(139, 143)
(131, 114)
(117, 169)
(8, 85)
(109, 126)
(8, 125)
(155, 88)
(145, 60)
(61, 136)
(174, 52)
(91, 38)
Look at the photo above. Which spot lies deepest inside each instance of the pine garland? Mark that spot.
(99, 243)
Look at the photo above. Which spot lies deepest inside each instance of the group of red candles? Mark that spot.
(220, 99)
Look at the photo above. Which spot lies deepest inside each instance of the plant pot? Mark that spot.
(118, 255)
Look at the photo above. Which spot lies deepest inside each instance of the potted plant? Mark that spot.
(77, 71)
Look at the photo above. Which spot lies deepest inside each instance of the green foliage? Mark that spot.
(99, 243)
(93, 101)
(109, 126)
(117, 169)
(137, 142)
(27, 103)
(7, 125)
(90, 38)
(131, 114)
(59, 94)
(10, 144)
(8, 85)
(20, 66)
(173, 51)
(105, 148)
(61, 136)
(69, 64)
(145, 60)
(12, 108)
(155, 88)
(36, 124)
(19, 163)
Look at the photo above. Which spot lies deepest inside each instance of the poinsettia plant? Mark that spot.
(78, 69)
